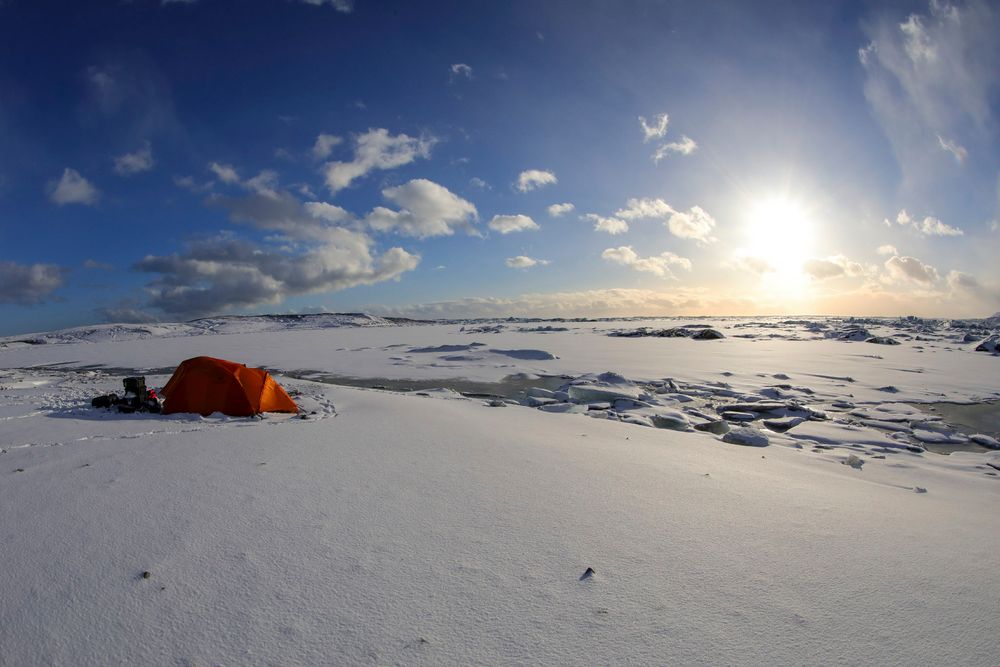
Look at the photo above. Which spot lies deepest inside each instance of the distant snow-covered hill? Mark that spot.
(228, 324)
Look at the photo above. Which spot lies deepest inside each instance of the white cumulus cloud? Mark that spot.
(532, 179)
(224, 172)
(557, 210)
(134, 163)
(658, 265)
(425, 209)
(929, 226)
(911, 268)
(524, 262)
(612, 226)
(505, 224)
(695, 223)
(72, 188)
(324, 145)
(376, 149)
(327, 212)
(887, 249)
(832, 267)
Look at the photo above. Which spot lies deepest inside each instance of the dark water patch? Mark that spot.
(966, 418)
(512, 387)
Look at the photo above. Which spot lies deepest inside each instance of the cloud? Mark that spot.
(324, 145)
(342, 6)
(533, 179)
(134, 163)
(477, 182)
(960, 280)
(695, 223)
(94, 264)
(612, 226)
(958, 152)
(460, 70)
(224, 172)
(376, 149)
(189, 183)
(685, 146)
(26, 284)
(282, 212)
(264, 184)
(557, 210)
(658, 265)
(655, 130)
(757, 265)
(72, 188)
(426, 209)
(929, 226)
(963, 285)
(832, 267)
(934, 227)
(327, 212)
(589, 303)
(931, 79)
(911, 268)
(524, 262)
(505, 224)
(223, 274)
(887, 250)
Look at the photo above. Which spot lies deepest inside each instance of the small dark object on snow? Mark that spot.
(19, 470)
(135, 399)
(135, 385)
(105, 401)
(146, 574)
(882, 340)
(587, 574)
(708, 334)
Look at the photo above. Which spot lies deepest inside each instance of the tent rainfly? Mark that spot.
(206, 385)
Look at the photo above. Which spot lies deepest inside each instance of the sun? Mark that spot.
(779, 238)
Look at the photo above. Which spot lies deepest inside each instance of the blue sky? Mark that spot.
(169, 160)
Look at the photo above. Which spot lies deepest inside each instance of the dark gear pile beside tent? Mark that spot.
(206, 385)
(135, 399)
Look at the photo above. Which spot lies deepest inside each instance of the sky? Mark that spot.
(163, 160)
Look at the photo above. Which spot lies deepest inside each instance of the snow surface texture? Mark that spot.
(430, 528)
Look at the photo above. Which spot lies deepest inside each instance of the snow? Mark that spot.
(428, 528)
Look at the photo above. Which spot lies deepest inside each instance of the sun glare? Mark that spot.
(779, 239)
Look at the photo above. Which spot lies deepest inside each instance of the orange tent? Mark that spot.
(206, 385)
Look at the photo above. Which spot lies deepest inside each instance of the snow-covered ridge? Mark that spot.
(229, 324)
(842, 328)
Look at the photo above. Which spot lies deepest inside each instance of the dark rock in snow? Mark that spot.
(587, 574)
(674, 421)
(707, 334)
(736, 416)
(747, 437)
(991, 345)
(882, 340)
(783, 424)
